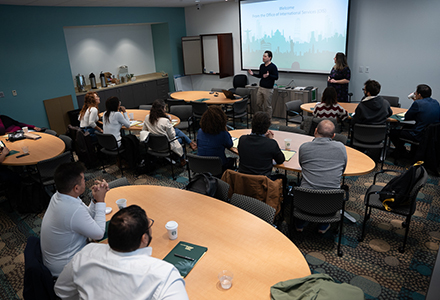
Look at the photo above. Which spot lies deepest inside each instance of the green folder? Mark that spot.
(187, 257)
(201, 100)
(288, 154)
(12, 152)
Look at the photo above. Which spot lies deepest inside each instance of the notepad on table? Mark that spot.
(184, 257)
(135, 123)
(235, 142)
(288, 154)
(401, 114)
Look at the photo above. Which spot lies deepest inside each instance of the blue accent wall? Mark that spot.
(34, 59)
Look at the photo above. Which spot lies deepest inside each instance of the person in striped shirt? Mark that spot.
(329, 107)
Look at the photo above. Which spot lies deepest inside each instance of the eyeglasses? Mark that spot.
(151, 223)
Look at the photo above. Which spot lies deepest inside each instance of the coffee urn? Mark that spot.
(81, 83)
(92, 81)
(103, 80)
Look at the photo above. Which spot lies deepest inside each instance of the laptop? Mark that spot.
(229, 94)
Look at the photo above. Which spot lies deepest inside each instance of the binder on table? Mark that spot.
(184, 257)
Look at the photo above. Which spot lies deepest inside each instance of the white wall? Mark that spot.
(398, 40)
(93, 49)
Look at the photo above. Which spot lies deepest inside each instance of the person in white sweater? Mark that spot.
(157, 122)
(114, 118)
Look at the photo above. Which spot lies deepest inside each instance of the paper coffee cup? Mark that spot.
(131, 116)
(25, 129)
(287, 144)
(122, 203)
(171, 227)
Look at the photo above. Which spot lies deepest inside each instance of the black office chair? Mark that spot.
(393, 100)
(184, 112)
(46, 168)
(38, 281)
(291, 129)
(222, 191)
(320, 206)
(238, 111)
(198, 109)
(294, 113)
(68, 143)
(204, 164)
(255, 207)
(159, 146)
(367, 136)
(372, 200)
(171, 102)
(246, 94)
(240, 80)
(110, 147)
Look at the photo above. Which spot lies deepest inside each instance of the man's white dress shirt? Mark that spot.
(98, 272)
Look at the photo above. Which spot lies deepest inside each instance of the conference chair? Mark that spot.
(68, 143)
(319, 206)
(372, 200)
(38, 281)
(393, 100)
(110, 147)
(294, 113)
(184, 112)
(316, 121)
(46, 169)
(52, 132)
(204, 164)
(340, 138)
(238, 111)
(159, 146)
(145, 106)
(171, 102)
(240, 80)
(291, 129)
(245, 93)
(222, 191)
(198, 109)
(118, 182)
(255, 207)
(367, 136)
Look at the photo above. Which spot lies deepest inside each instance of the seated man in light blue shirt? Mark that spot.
(123, 268)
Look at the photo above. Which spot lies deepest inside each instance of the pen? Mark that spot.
(183, 256)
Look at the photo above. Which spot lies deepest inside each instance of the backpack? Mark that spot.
(397, 192)
(203, 183)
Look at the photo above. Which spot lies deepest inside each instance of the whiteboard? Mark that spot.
(210, 54)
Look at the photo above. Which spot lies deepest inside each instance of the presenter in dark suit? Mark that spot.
(268, 73)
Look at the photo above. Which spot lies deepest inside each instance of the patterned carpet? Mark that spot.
(375, 265)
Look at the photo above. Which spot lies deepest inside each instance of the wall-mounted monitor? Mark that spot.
(303, 35)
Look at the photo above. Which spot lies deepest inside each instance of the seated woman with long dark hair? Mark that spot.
(212, 137)
(114, 118)
(157, 122)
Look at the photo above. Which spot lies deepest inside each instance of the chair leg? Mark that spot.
(120, 165)
(405, 238)
(172, 171)
(366, 217)
(340, 234)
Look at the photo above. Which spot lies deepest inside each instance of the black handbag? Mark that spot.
(16, 136)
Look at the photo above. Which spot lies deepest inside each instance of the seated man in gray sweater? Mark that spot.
(323, 162)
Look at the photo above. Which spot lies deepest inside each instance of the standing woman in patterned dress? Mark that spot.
(340, 77)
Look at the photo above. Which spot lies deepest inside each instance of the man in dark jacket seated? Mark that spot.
(373, 109)
(258, 149)
(425, 111)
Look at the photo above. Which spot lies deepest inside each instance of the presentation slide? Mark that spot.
(303, 35)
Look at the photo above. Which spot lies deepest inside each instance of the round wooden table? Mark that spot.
(189, 96)
(358, 163)
(254, 251)
(47, 147)
(351, 107)
(140, 114)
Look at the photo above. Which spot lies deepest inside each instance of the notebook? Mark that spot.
(184, 257)
(288, 154)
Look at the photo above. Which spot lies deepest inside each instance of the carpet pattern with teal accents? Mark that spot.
(375, 265)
